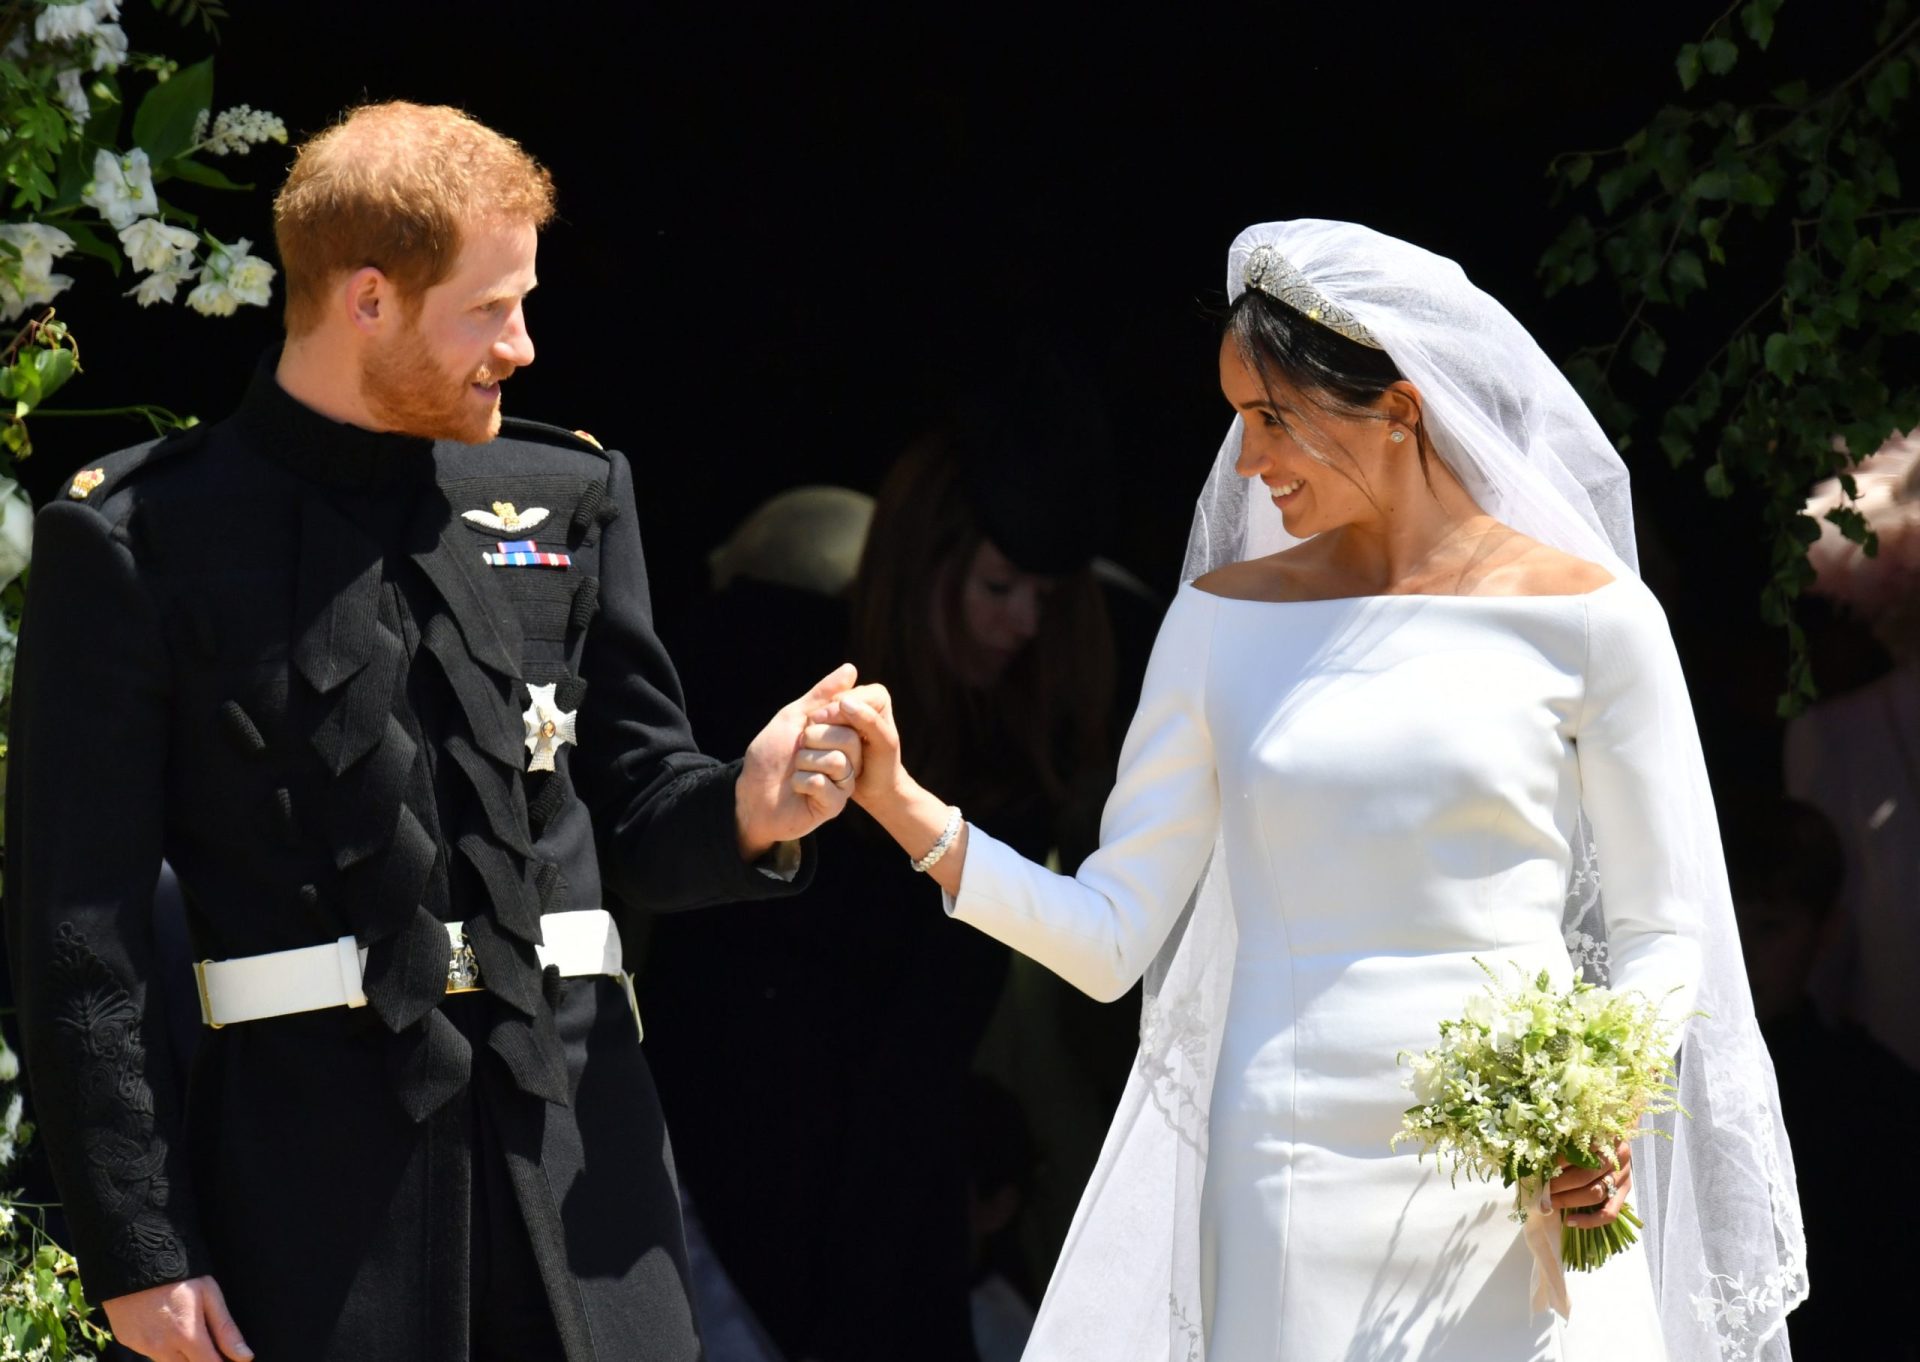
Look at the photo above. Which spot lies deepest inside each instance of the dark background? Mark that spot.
(786, 235)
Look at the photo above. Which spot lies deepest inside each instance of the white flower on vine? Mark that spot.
(232, 276)
(16, 1109)
(152, 245)
(73, 93)
(122, 187)
(252, 280)
(162, 286)
(9, 1061)
(29, 280)
(109, 47)
(212, 298)
(90, 22)
(64, 23)
(6, 1220)
(238, 129)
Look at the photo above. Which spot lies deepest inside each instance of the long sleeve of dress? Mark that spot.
(1641, 770)
(1099, 929)
(86, 805)
(663, 812)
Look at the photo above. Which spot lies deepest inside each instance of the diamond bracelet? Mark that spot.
(955, 820)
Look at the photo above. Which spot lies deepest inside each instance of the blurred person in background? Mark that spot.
(1840, 1090)
(1856, 757)
(829, 1167)
(1000, 1171)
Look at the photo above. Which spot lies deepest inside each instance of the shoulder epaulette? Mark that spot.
(97, 483)
(518, 427)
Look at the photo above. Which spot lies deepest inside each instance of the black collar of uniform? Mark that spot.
(326, 451)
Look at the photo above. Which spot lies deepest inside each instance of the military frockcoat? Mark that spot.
(275, 653)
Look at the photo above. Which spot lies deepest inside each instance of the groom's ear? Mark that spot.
(368, 298)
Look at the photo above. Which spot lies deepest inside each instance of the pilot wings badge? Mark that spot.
(504, 518)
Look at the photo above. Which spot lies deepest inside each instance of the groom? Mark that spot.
(375, 672)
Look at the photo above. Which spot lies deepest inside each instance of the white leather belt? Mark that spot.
(280, 983)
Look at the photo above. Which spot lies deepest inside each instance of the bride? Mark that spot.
(1413, 707)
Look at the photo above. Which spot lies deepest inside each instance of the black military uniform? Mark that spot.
(274, 653)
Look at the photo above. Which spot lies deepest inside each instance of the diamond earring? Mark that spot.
(1398, 437)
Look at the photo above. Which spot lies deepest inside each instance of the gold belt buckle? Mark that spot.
(463, 970)
(206, 1003)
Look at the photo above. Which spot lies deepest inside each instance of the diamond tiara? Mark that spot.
(1271, 273)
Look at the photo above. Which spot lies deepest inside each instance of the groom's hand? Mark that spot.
(178, 1322)
(796, 776)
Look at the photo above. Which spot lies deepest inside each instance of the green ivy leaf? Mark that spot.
(1686, 272)
(1783, 356)
(1649, 350)
(1753, 188)
(89, 242)
(1710, 184)
(193, 172)
(1757, 19)
(1718, 483)
(1853, 525)
(1687, 64)
(163, 125)
(1719, 55)
(56, 367)
(1887, 86)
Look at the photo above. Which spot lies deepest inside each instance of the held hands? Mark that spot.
(913, 816)
(866, 711)
(1596, 1194)
(797, 775)
(178, 1322)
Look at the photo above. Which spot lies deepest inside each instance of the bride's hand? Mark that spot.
(868, 711)
(1585, 1191)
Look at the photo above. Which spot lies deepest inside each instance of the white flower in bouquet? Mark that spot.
(153, 245)
(121, 189)
(1531, 1080)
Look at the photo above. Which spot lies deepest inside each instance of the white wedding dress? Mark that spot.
(1396, 782)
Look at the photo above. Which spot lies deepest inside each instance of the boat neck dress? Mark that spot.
(1396, 782)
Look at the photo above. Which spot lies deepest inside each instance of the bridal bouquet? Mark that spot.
(1533, 1078)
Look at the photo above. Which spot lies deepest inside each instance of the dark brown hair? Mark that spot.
(1046, 721)
(1339, 376)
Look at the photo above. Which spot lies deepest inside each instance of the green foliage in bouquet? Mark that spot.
(1766, 259)
(1533, 1079)
(77, 182)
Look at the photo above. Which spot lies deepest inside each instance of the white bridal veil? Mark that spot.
(1723, 1231)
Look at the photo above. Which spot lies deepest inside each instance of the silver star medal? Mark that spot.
(548, 726)
(505, 518)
